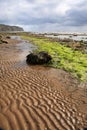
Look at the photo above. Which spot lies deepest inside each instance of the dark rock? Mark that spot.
(32, 58)
(8, 37)
(0, 36)
(66, 40)
(1, 129)
(5, 42)
(43, 57)
(2, 41)
(39, 58)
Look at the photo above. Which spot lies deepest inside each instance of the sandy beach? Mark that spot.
(38, 97)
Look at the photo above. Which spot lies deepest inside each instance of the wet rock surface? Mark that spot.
(39, 58)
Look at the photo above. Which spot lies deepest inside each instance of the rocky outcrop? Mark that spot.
(1, 40)
(39, 58)
(9, 28)
(8, 37)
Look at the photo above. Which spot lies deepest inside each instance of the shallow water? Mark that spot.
(24, 48)
(77, 38)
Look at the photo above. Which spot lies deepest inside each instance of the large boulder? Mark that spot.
(39, 58)
(32, 58)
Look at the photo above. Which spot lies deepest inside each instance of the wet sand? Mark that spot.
(38, 97)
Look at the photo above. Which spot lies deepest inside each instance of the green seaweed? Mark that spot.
(62, 56)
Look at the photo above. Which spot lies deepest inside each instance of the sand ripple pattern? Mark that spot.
(28, 101)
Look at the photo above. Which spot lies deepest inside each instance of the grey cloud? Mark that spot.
(76, 17)
(34, 15)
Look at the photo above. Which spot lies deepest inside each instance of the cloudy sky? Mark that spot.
(45, 15)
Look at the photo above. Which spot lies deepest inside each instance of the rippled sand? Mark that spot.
(36, 97)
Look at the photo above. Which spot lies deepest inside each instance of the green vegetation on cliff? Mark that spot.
(63, 57)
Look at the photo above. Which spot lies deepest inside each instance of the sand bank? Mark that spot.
(38, 97)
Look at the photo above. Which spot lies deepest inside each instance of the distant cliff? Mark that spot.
(10, 28)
